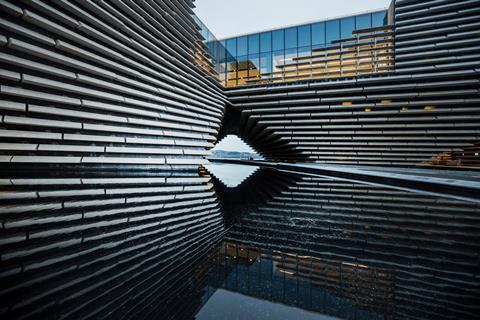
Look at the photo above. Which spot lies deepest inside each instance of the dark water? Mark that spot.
(271, 245)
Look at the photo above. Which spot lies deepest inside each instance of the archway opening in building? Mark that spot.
(232, 147)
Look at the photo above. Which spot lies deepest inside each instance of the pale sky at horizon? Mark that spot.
(233, 143)
(228, 18)
(224, 18)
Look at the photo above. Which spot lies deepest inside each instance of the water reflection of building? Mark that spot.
(386, 252)
(81, 245)
(322, 285)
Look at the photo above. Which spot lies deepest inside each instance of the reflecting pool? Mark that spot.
(253, 244)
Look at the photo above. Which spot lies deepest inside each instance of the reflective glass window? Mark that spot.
(222, 48)
(278, 59)
(290, 54)
(347, 25)
(253, 44)
(304, 52)
(242, 72)
(204, 32)
(291, 62)
(318, 47)
(266, 42)
(231, 72)
(304, 36)
(379, 19)
(278, 40)
(332, 31)
(364, 21)
(209, 36)
(318, 33)
(266, 63)
(221, 71)
(232, 47)
(254, 66)
(216, 52)
(242, 46)
(291, 38)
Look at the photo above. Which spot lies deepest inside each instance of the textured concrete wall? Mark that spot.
(115, 83)
(80, 246)
(428, 106)
(104, 82)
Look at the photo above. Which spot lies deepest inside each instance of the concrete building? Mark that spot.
(402, 93)
(145, 83)
(104, 83)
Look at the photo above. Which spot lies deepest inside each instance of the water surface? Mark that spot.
(264, 244)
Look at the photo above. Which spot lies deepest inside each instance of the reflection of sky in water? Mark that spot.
(231, 175)
(234, 306)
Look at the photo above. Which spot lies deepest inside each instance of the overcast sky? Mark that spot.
(233, 143)
(227, 18)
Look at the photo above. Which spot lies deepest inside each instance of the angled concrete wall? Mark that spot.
(78, 246)
(105, 83)
(427, 108)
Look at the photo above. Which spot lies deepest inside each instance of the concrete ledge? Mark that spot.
(462, 184)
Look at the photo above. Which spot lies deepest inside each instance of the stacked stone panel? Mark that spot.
(426, 110)
(104, 83)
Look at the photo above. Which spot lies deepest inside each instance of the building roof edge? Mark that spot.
(308, 22)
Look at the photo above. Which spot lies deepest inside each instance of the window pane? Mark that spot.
(291, 38)
(290, 55)
(242, 46)
(216, 52)
(221, 71)
(242, 72)
(266, 42)
(364, 21)
(347, 27)
(304, 36)
(332, 31)
(265, 64)
(317, 47)
(254, 66)
(253, 44)
(278, 57)
(232, 47)
(277, 39)
(318, 33)
(290, 62)
(379, 19)
(231, 73)
(223, 46)
(304, 52)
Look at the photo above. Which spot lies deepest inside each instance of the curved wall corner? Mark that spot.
(104, 83)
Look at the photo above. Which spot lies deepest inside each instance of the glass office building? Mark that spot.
(347, 46)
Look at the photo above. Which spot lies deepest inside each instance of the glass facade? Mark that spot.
(342, 47)
(211, 55)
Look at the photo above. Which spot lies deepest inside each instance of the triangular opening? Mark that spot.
(231, 175)
(232, 147)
